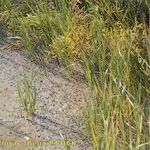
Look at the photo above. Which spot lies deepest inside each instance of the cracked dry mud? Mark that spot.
(59, 104)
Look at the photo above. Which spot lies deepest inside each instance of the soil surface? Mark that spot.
(60, 101)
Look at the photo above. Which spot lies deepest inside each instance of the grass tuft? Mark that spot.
(27, 96)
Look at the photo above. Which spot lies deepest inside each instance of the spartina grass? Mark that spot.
(27, 96)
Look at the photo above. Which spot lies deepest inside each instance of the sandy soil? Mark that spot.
(59, 103)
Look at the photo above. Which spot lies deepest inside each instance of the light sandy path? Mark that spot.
(59, 101)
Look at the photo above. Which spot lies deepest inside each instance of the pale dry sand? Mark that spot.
(60, 100)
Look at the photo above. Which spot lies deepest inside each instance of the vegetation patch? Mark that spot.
(110, 39)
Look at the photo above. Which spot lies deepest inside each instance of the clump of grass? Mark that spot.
(118, 118)
(27, 96)
(75, 38)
